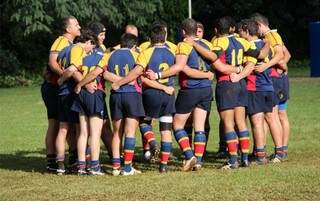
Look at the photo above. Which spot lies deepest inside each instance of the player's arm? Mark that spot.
(223, 68)
(275, 60)
(264, 50)
(67, 74)
(53, 64)
(156, 85)
(88, 79)
(202, 50)
(111, 77)
(248, 68)
(132, 75)
(181, 62)
(197, 74)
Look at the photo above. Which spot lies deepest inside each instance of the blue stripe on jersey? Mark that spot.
(235, 46)
(120, 63)
(263, 80)
(92, 60)
(160, 59)
(197, 62)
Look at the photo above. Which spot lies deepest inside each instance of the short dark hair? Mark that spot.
(200, 25)
(87, 35)
(249, 25)
(128, 40)
(260, 19)
(223, 25)
(66, 21)
(189, 26)
(158, 33)
(96, 27)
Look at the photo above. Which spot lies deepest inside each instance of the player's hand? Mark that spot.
(283, 66)
(151, 75)
(234, 77)
(210, 75)
(260, 68)
(91, 87)
(77, 89)
(169, 90)
(115, 86)
(60, 81)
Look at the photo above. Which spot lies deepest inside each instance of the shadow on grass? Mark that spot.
(35, 161)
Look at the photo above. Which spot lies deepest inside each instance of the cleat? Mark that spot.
(147, 155)
(61, 169)
(115, 172)
(82, 172)
(245, 163)
(51, 168)
(131, 172)
(97, 172)
(163, 170)
(229, 166)
(257, 161)
(221, 154)
(189, 164)
(172, 157)
(197, 166)
(155, 152)
(275, 158)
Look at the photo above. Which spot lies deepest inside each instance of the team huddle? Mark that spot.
(247, 59)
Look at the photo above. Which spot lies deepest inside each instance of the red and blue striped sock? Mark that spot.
(189, 129)
(244, 141)
(232, 144)
(199, 144)
(116, 163)
(165, 153)
(95, 165)
(129, 144)
(148, 135)
(260, 153)
(81, 165)
(183, 141)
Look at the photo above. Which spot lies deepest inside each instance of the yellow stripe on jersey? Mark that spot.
(76, 56)
(144, 57)
(184, 48)
(252, 46)
(207, 43)
(145, 45)
(103, 63)
(134, 53)
(274, 38)
(220, 44)
(213, 40)
(60, 43)
(104, 49)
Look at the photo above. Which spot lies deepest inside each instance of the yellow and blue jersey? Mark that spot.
(121, 62)
(231, 50)
(147, 44)
(73, 55)
(57, 47)
(194, 61)
(275, 40)
(117, 47)
(260, 81)
(158, 59)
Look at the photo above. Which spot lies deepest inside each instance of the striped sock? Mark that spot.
(165, 153)
(232, 143)
(260, 153)
(60, 159)
(278, 152)
(129, 144)
(116, 163)
(199, 144)
(148, 135)
(244, 142)
(189, 130)
(95, 165)
(183, 140)
(285, 150)
(81, 165)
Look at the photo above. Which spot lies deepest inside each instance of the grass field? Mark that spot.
(22, 177)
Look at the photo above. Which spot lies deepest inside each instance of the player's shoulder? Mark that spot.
(144, 45)
(207, 43)
(221, 42)
(60, 43)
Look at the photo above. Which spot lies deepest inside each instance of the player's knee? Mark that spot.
(146, 121)
(165, 123)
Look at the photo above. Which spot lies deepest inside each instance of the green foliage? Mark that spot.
(9, 63)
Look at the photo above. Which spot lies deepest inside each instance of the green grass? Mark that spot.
(22, 177)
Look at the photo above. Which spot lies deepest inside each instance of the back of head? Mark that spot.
(223, 25)
(131, 29)
(87, 35)
(128, 40)
(158, 33)
(189, 26)
(260, 19)
(66, 22)
(250, 26)
(96, 27)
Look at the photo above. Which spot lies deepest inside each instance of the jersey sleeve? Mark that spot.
(220, 45)
(274, 38)
(210, 46)
(172, 46)
(76, 56)
(247, 57)
(59, 44)
(184, 48)
(144, 45)
(144, 57)
(103, 63)
(249, 49)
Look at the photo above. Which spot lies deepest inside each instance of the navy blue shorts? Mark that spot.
(157, 103)
(123, 105)
(260, 101)
(49, 95)
(231, 94)
(189, 99)
(90, 104)
(281, 89)
(65, 114)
